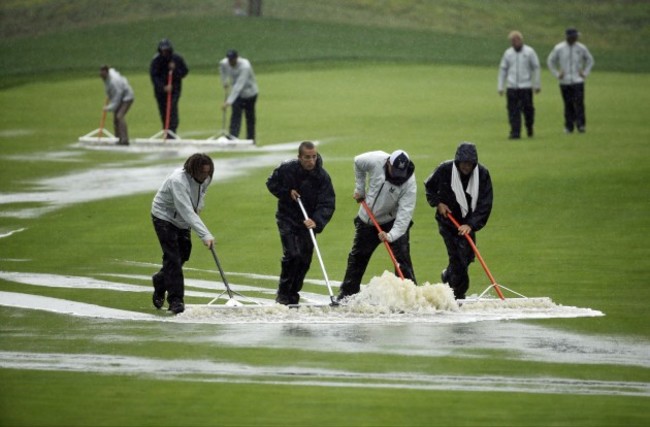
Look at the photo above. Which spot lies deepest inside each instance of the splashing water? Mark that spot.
(388, 299)
(385, 299)
(388, 294)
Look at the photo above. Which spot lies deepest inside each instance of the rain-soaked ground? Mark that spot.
(414, 321)
(386, 318)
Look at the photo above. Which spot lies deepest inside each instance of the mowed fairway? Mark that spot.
(569, 222)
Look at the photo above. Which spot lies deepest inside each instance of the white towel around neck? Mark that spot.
(472, 189)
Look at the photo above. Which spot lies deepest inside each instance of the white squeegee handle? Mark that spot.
(320, 258)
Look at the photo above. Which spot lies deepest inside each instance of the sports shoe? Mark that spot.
(444, 276)
(342, 296)
(283, 299)
(176, 307)
(158, 296)
(581, 129)
(158, 299)
(294, 298)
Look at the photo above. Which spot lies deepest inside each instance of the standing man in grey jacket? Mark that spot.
(390, 194)
(120, 97)
(519, 71)
(175, 211)
(571, 62)
(239, 72)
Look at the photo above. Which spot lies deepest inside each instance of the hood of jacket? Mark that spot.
(466, 152)
(165, 44)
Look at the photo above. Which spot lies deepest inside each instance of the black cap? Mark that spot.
(570, 32)
(399, 162)
(232, 54)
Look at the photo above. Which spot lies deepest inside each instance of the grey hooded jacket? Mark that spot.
(117, 89)
(570, 59)
(242, 78)
(386, 200)
(179, 200)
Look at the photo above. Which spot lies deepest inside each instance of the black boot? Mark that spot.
(158, 296)
(283, 299)
(176, 306)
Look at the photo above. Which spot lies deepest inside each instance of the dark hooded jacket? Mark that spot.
(316, 193)
(159, 70)
(438, 190)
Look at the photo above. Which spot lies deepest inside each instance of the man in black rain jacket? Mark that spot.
(306, 179)
(463, 188)
(162, 64)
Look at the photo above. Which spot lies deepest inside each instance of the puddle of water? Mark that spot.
(226, 372)
(117, 181)
(9, 233)
(393, 328)
(355, 328)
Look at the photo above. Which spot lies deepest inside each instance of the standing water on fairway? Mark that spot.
(385, 299)
(388, 299)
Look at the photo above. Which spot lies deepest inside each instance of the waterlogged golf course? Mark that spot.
(83, 345)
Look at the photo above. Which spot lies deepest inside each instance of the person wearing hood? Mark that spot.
(120, 97)
(303, 178)
(462, 187)
(168, 62)
(391, 195)
(570, 62)
(175, 211)
(519, 72)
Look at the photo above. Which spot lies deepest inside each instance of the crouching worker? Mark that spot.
(175, 211)
(391, 196)
(463, 188)
(306, 179)
(120, 96)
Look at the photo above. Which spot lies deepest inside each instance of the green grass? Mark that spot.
(559, 228)
(298, 33)
(301, 405)
(569, 220)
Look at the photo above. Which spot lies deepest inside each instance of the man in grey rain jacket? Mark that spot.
(570, 62)
(175, 211)
(390, 194)
(519, 71)
(462, 187)
(239, 72)
(120, 97)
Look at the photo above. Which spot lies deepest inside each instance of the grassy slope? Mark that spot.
(42, 38)
(613, 24)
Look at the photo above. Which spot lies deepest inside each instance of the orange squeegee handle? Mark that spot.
(378, 227)
(103, 120)
(478, 255)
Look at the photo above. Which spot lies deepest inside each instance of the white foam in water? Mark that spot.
(386, 299)
(390, 294)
